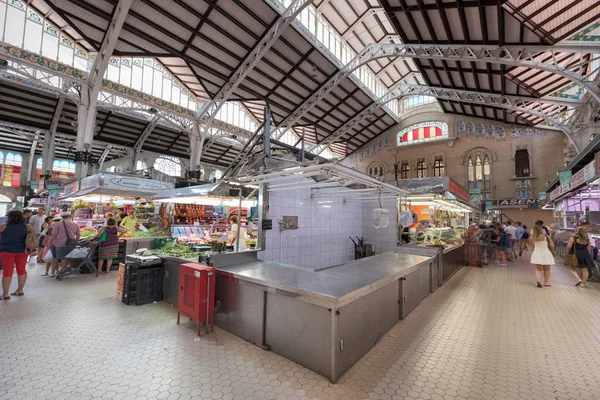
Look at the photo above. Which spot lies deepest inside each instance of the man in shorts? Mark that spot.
(512, 231)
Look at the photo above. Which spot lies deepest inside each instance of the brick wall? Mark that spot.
(546, 154)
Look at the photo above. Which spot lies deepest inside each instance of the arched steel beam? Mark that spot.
(529, 105)
(524, 56)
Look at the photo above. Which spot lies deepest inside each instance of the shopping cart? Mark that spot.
(83, 252)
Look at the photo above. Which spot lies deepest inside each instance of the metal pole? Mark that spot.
(208, 275)
(301, 155)
(239, 228)
(267, 135)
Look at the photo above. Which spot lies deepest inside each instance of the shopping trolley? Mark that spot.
(83, 251)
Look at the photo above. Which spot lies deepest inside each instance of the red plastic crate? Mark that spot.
(197, 294)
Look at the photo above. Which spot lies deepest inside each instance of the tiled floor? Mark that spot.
(488, 334)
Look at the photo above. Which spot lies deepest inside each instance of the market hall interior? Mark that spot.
(299, 198)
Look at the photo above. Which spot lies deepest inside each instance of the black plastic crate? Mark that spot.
(149, 286)
(142, 285)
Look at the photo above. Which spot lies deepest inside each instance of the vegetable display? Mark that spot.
(152, 232)
(177, 250)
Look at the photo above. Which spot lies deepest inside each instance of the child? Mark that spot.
(48, 248)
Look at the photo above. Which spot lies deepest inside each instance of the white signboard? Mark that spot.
(143, 185)
(589, 171)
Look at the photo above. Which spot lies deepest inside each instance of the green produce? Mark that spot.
(152, 232)
(177, 250)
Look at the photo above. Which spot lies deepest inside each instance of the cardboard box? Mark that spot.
(120, 277)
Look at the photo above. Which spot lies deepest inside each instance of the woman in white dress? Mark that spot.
(541, 256)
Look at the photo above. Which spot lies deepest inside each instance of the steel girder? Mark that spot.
(107, 48)
(524, 56)
(31, 133)
(531, 105)
(209, 110)
(146, 133)
(369, 13)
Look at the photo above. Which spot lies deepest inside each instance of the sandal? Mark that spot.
(5, 298)
(51, 276)
(539, 284)
(17, 294)
(547, 285)
(46, 274)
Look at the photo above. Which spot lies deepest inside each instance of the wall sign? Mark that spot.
(515, 203)
(589, 171)
(457, 190)
(578, 179)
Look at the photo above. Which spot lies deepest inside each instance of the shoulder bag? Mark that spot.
(71, 242)
(31, 242)
(571, 259)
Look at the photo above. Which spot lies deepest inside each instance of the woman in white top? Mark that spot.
(234, 232)
(541, 256)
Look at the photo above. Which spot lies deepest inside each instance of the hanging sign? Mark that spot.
(542, 196)
(566, 179)
(475, 195)
(34, 185)
(53, 190)
(136, 184)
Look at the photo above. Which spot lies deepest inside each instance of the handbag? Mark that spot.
(70, 242)
(571, 259)
(102, 238)
(31, 242)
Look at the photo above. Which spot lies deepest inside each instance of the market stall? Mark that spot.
(434, 217)
(201, 215)
(577, 203)
(94, 197)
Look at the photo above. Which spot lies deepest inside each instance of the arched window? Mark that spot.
(140, 165)
(215, 175)
(421, 169)
(422, 132)
(12, 170)
(168, 165)
(376, 169)
(479, 174)
(414, 101)
(438, 167)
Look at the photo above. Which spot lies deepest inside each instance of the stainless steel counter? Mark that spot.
(337, 285)
(325, 320)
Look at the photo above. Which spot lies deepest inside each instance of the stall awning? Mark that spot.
(118, 185)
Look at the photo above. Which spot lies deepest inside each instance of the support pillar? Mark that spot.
(196, 147)
(86, 122)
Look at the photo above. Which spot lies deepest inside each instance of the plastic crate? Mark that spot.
(149, 286)
(142, 285)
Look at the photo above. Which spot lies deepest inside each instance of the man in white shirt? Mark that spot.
(512, 230)
(37, 221)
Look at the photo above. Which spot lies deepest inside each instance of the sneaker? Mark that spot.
(502, 265)
(511, 260)
(579, 283)
(521, 253)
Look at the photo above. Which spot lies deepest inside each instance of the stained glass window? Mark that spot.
(12, 170)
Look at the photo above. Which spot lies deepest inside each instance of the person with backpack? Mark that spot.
(498, 237)
(483, 235)
(524, 240)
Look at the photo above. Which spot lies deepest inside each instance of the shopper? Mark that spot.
(121, 214)
(483, 235)
(27, 215)
(524, 240)
(63, 230)
(512, 231)
(43, 234)
(13, 251)
(493, 244)
(47, 248)
(544, 228)
(37, 221)
(541, 256)
(130, 222)
(520, 231)
(508, 248)
(581, 241)
(109, 247)
(500, 240)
